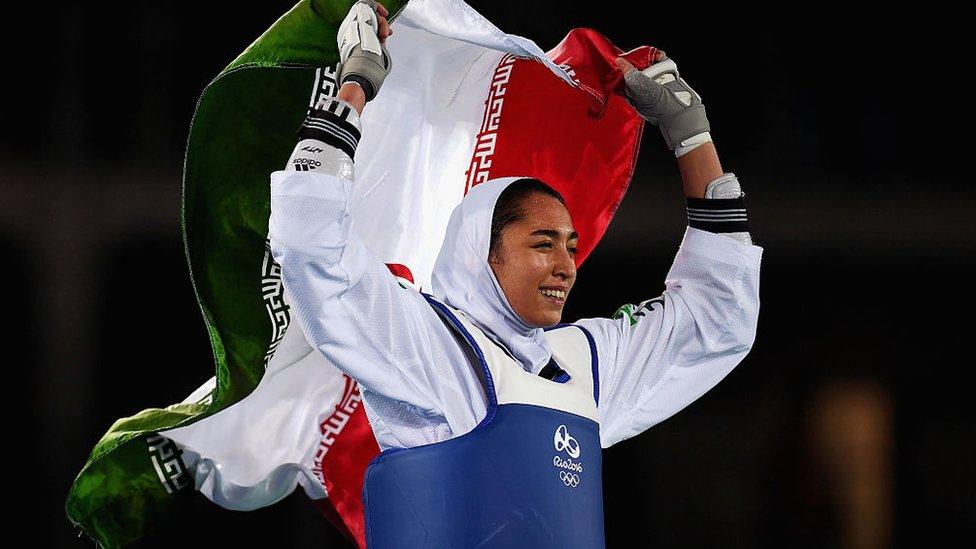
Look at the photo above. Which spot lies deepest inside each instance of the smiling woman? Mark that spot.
(477, 387)
(532, 250)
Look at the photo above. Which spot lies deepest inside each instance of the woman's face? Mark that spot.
(534, 260)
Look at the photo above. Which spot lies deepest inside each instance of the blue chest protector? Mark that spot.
(528, 475)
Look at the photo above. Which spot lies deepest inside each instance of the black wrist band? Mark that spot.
(331, 125)
(365, 84)
(718, 215)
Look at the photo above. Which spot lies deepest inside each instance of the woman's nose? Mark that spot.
(565, 265)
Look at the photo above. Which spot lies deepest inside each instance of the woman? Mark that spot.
(490, 413)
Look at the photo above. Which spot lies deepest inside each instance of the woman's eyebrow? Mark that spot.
(551, 233)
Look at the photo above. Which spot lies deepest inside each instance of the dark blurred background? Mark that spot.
(849, 424)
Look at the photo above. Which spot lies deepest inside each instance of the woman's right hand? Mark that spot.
(664, 99)
(363, 57)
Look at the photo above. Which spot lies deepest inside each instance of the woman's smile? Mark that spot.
(553, 294)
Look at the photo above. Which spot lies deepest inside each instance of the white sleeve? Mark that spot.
(657, 358)
(349, 305)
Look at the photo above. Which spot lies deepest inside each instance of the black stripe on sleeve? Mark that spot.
(331, 128)
(718, 215)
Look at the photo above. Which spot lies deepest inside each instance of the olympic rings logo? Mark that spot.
(562, 440)
(569, 479)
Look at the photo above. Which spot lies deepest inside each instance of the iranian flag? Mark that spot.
(464, 103)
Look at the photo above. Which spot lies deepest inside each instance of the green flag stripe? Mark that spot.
(243, 128)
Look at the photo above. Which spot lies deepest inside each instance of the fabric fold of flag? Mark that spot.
(465, 102)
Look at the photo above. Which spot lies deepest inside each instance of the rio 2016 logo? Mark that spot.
(570, 470)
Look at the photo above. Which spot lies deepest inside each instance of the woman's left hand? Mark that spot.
(664, 99)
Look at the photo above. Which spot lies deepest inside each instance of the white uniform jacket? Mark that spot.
(418, 384)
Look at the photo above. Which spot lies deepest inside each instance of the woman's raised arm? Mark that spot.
(349, 305)
(659, 356)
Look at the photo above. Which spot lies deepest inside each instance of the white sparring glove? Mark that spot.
(664, 99)
(363, 59)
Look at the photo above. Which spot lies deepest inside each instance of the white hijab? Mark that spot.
(463, 279)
